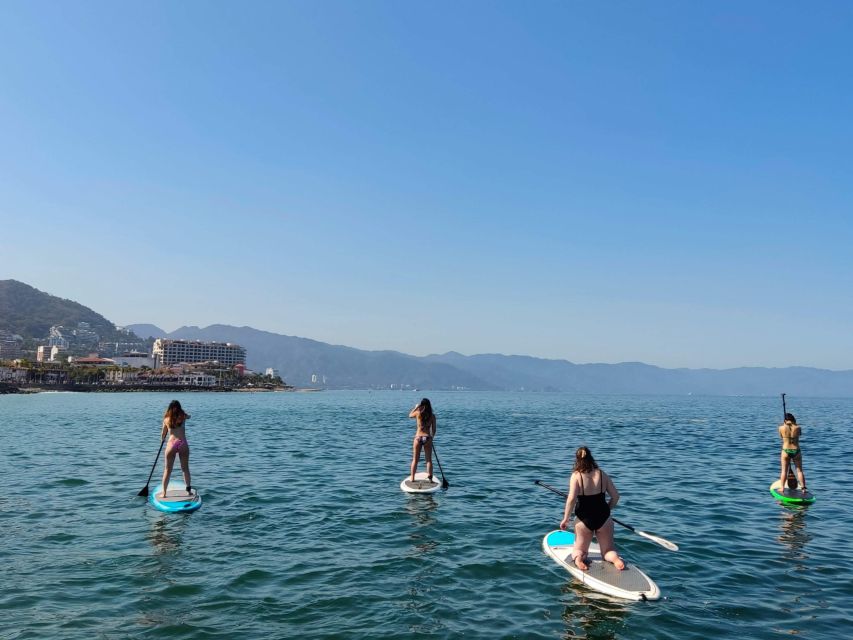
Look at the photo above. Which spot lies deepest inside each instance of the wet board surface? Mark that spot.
(176, 499)
(630, 584)
(421, 484)
(791, 496)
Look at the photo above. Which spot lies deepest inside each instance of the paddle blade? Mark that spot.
(444, 483)
(144, 492)
(666, 544)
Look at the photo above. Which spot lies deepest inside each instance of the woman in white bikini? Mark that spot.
(173, 425)
(422, 412)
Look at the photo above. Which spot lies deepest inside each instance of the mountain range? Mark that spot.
(297, 359)
(30, 313)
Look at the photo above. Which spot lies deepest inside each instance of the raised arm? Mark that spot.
(414, 413)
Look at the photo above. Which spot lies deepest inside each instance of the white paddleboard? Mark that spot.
(422, 484)
(602, 576)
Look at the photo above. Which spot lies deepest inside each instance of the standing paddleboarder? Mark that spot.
(790, 433)
(173, 425)
(422, 412)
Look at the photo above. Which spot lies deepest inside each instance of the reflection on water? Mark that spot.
(421, 588)
(421, 508)
(592, 615)
(166, 535)
(794, 535)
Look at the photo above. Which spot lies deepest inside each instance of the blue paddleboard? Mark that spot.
(176, 500)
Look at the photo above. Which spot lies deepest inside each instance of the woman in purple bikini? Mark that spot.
(422, 412)
(173, 425)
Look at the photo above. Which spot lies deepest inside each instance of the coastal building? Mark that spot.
(134, 359)
(91, 361)
(272, 373)
(47, 354)
(85, 334)
(167, 352)
(122, 376)
(10, 345)
(56, 339)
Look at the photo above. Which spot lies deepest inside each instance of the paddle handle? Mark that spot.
(784, 408)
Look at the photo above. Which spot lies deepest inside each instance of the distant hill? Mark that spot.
(146, 331)
(31, 313)
(344, 367)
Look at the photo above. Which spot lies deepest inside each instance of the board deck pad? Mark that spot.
(176, 499)
(791, 496)
(631, 583)
(422, 484)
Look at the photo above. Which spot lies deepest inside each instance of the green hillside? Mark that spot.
(31, 313)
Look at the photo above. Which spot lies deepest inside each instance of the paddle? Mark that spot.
(666, 544)
(790, 479)
(444, 483)
(144, 491)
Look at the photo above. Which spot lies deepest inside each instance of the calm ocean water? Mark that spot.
(305, 533)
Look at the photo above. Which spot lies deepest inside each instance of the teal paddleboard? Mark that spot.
(176, 499)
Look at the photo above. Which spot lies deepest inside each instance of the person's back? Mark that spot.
(790, 432)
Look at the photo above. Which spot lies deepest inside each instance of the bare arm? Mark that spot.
(414, 413)
(164, 431)
(612, 492)
(570, 502)
(434, 426)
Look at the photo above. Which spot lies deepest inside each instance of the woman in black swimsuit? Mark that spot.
(587, 487)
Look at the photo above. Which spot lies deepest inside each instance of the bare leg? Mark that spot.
(416, 453)
(428, 456)
(801, 476)
(583, 537)
(184, 456)
(608, 548)
(783, 479)
(167, 469)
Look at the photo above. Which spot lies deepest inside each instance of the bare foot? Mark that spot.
(619, 564)
(580, 564)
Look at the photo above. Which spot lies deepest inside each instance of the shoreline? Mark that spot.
(11, 389)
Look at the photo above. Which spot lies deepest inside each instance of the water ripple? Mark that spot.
(305, 533)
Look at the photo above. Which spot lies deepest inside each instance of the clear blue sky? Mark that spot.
(668, 182)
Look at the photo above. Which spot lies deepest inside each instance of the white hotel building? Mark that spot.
(168, 352)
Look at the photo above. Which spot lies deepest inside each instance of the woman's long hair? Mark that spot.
(426, 413)
(174, 414)
(584, 462)
(789, 417)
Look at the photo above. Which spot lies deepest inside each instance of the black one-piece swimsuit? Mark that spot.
(592, 510)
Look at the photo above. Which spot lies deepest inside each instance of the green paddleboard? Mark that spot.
(791, 496)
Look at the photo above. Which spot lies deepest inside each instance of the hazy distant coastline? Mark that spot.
(307, 363)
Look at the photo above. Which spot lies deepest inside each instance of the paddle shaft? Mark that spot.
(144, 491)
(784, 408)
(657, 539)
(444, 483)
